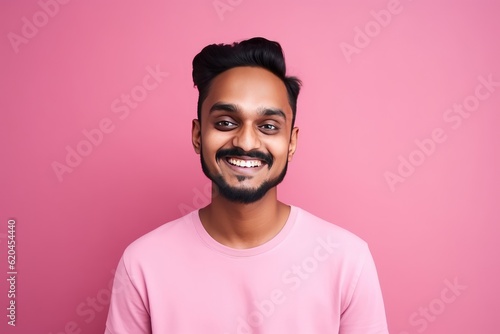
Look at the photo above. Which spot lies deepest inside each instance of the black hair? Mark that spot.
(258, 52)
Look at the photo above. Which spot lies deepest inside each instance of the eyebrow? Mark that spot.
(234, 108)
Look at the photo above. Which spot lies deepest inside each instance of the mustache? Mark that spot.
(238, 152)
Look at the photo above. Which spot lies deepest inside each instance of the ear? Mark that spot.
(196, 135)
(292, 146)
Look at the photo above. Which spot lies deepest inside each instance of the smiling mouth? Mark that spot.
(244, 163)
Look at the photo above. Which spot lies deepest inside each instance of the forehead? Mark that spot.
(250, 88)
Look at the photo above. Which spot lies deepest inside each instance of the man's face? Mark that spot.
(245, 137)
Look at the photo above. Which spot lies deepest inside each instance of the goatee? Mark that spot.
(242, 195)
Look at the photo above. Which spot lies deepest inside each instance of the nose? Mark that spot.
(247, 138)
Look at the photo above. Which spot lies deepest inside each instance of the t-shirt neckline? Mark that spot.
(217, 246)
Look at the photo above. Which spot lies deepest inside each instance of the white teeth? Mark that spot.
(245, 163)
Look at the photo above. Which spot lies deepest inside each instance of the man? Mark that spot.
(246, 263)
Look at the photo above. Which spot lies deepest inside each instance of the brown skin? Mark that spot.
(250, 90)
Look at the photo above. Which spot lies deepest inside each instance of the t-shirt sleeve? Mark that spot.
(128, 312)
(365, 313)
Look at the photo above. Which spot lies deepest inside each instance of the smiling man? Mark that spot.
(246, 263)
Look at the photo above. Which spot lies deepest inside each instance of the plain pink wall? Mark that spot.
(383, 149)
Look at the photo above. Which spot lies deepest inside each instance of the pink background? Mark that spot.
(357, 113)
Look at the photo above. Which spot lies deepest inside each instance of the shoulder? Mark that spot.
(164, 239)
(310, 222)
(344, 247)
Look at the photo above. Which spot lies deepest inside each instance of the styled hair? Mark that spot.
(257, 52)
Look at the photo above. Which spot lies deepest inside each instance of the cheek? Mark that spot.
(211, 142)
(279, 149)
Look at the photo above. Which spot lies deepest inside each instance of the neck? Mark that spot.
(240, 225)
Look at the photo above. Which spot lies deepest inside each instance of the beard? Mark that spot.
(241, 195)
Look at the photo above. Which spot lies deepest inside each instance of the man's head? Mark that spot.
(246, 113)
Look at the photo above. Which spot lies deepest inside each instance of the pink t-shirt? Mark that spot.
(313, 277)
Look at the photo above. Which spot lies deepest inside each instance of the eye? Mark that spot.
(225, 125)
(269, 128)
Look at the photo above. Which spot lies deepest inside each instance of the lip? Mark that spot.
(244, 170)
